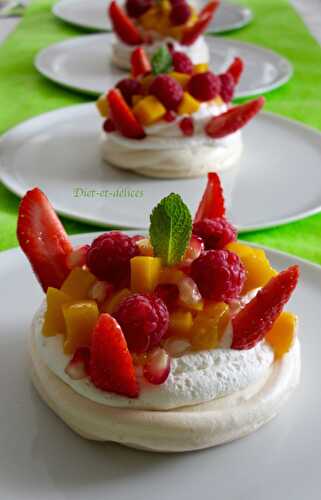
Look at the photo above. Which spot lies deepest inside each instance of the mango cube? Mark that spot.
(54, 319)
(136, 99)
(188, 105)
(200, 68)
(149, 110)
(102, 106)
(146, 82)
(145, 273)
(80, 318)
(170, 276)
(181, 78)
(150, 20)
(282, 334)
(209, 326)
(111, 305)
(180, 323)
(77, 283)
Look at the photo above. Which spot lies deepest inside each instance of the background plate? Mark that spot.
(92, 15)
(40, 458)
(59, 152)
(84, 64)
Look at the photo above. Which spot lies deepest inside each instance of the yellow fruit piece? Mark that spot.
(149, 110)
(209, 325)
(239, 248)
(144, 273)
(163, 25)
(282, 334)
(196, 307)
(180, 323)
(54, 319)
(80, 318)
(77, 283)
(150, 19)
(170, 276)
(136, 99)
(166, 6)
(200, 68)
(146, 82)
(145, 247)
(111, 305)
(102, 106)
(176, 32)
(181, 78)
(188, 105)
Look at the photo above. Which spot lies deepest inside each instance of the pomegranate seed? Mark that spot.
(176, 346)
(189, 293)
(170, 116)
(77, 258)
(157, 367)
(109, 126)
(187, 126)
(100, 291)
(78, 366)
(145, 247)
(194, 250)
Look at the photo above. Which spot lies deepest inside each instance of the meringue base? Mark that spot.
(184, 429)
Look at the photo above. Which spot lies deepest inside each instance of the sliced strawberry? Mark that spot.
(191, 33)
(78, 366)
(111, 364)
(124, 119)
(212, 203)
(140, 63)
(43, 239)
(233, 119)
(253, 322)
(124, 26)
(236, 69)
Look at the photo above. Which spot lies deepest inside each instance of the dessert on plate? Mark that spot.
(174, 341)
(172, 118)
(156, 23)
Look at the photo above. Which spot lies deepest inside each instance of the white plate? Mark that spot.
(40, 458)
(279, 179)
(84, 64)
(92, 15)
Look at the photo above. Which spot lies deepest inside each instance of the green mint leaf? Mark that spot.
(170, 229)
(161, 61)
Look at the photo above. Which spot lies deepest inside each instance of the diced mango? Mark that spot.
(209, 325)
(195, 307)
(181, 78)
(170, 276)
(136, 99)
(200, 68)
(149, 110)
(54, 319)
(111, 305)
(239, 248)
(165, 6)
(282, 334)
(180, 323)
(188, 105)
(176, 32)
(146, 82)
(102, 106)
(77, 283)
(150, 19)
(164, 24)
(144, 273)
(80, 318)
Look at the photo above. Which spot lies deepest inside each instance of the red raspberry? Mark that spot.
(167, 90)
(109, 257)
(109, 126)
(187, 126)
(136, 8)
(169, 295)
(180, 13)
(219, 274)
(170, 116)
(129, 87)
(144, 320)
(227, 87)
(204, 86)
(182, 63)
(216, 233)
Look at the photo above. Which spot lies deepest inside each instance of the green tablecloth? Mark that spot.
(24, 93)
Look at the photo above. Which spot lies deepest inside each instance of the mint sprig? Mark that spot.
(170, 229)
(161, 61)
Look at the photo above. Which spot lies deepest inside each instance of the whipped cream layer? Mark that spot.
(121, 53)
(195, 377)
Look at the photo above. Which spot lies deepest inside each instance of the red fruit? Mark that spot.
(129, 87)
(227, 87)
(144, 321)
(78, 366)
(187, 126)
(219, 275)
(111, 365)
(204, 86)
(77, 258)
(191, 33)
(170, 116)
(43, 239)
(168, 294)
(138, 237)
(182, 63)
(123, 26)
(236, 69)
(216, 233)
(140, 63)
(193, 251)
(157, 367)
(167, 90)
(253, 322)
(180, 13)
(233, 119)
(109, 126)
(123, 117)
(109, 257)
(212, 203)
(100, 291)
(136, 8)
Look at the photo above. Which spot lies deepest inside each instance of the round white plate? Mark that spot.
(92, 15)
(84, 64)
(41, 458)
(279, 179)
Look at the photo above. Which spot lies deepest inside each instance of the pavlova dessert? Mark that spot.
(174, 341)
(172, 118)
(156, 23)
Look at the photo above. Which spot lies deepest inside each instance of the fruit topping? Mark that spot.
(43, 239)
(209, 326)
(191, 33)
(200, 68)
(236, 69)
(204, 86)
(111, 365)
(180, 323)
(144, 320)
(253, 322)
(102, 106)
(123, 117)
(80, 318)
(54, 322)
(188, 105)
(140, 63)
(216, 233)
(281, 337)
(109, 126)
(180, 13)
(167, 90)
(112, 303)
(78, 366)
(136, 8)
(189, 294)
(77, 258)
(157, 367)
(170, 116)
(176, 346)
(149, 110)
(123, 25)
(145, 248)
(128, 88)
(212, 202)
(227, 87)
(78, 283)
(182, 63)
(168, 293)
(193, 251)
(144, 273)
(187, 126)
(100, 291)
